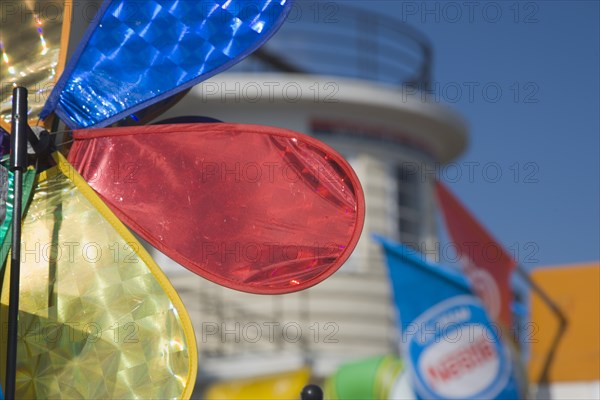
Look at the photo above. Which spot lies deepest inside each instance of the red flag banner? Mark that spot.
(486, 263)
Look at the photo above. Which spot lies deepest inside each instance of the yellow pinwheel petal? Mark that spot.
(98, 319)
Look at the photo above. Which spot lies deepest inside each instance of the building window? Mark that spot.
(407, 200)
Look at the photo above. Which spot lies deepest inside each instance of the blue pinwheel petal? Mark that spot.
(139, 52)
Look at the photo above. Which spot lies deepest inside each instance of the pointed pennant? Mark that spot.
(97, 317)
(254, 208)
(486, 263)
(33, 46)
(6, 207)
(452, 348)
(139, 52)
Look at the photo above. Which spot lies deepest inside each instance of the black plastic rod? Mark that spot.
(18, 164)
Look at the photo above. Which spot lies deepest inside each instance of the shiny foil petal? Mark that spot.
(6, 207)
(140, 52)
(97, 318)
(254, 208)
(30, 50)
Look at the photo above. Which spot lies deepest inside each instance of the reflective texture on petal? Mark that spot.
(254, 208)
(141, 52)
(6, 207)
(97, 318)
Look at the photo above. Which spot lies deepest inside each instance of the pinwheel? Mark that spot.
(254, 208)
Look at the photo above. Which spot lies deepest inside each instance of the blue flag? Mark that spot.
(452, 348)
(139, 52)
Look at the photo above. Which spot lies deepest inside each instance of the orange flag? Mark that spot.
(486, 263)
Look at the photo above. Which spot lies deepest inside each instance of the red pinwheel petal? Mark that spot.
(254, 208)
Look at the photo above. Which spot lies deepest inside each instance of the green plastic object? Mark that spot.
(370, 378)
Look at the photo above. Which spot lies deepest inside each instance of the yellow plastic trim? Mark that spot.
(65, 35)
(386, 373)
(5, 126)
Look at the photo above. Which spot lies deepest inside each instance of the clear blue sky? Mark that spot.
(546, 141)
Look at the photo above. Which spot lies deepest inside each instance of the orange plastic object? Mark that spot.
(576, 291)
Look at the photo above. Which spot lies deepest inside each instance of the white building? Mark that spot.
(357, 99)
